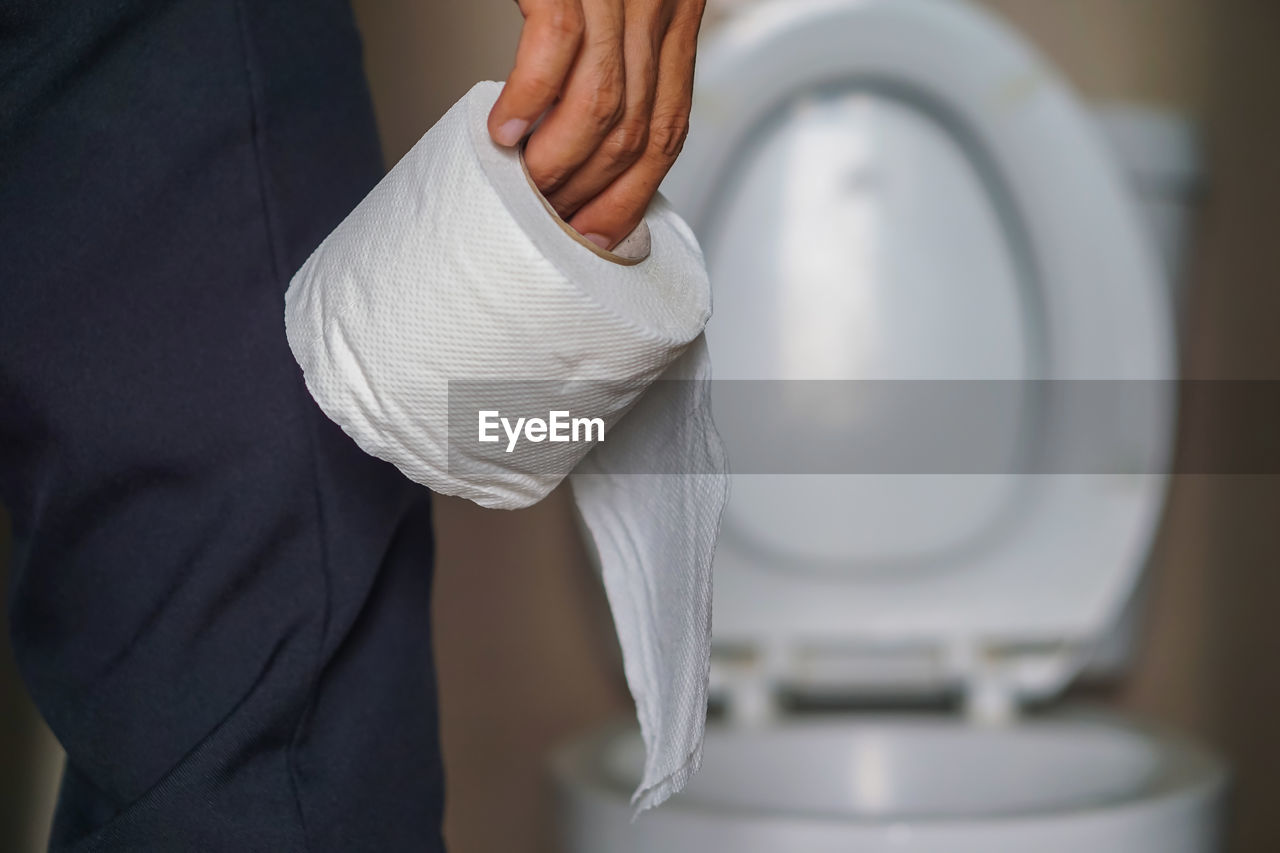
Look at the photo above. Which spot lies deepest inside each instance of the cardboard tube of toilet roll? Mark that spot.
(633, 248)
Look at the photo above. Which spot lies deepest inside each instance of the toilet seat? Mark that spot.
(1012, 617)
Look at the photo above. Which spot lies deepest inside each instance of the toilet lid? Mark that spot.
(909, 219)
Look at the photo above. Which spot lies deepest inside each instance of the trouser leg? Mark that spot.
(218, 602)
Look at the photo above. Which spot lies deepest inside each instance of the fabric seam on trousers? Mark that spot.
(105, 834)
(277, 264)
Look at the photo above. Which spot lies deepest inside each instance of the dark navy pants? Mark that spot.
(219, 603)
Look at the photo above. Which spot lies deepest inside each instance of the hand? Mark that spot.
(615, 81)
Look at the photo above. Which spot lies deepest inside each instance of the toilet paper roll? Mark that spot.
(452, 297)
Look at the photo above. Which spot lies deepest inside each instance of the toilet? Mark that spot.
(900, 194)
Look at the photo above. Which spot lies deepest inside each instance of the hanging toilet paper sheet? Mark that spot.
(451, 322)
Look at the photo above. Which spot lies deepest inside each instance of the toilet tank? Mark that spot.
(1159, 154)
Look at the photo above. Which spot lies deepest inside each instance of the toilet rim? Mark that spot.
(1188, 771)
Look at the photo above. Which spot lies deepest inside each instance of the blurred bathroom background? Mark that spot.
(524, 642)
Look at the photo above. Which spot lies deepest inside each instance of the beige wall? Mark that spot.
(30, 761)
(422, 55)
(525, 651)
(1154, 51)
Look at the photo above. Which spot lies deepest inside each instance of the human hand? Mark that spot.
(615, 81)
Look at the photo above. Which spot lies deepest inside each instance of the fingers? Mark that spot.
(549, 43)
(646, 22)
(590, 104)
(614, 212)
(612, 82)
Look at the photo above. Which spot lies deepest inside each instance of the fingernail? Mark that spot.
(511, 131)
(601, 241)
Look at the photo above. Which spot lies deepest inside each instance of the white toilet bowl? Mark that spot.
(890, 191)
(1059, 784)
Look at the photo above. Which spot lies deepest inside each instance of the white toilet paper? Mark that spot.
(451, 290)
